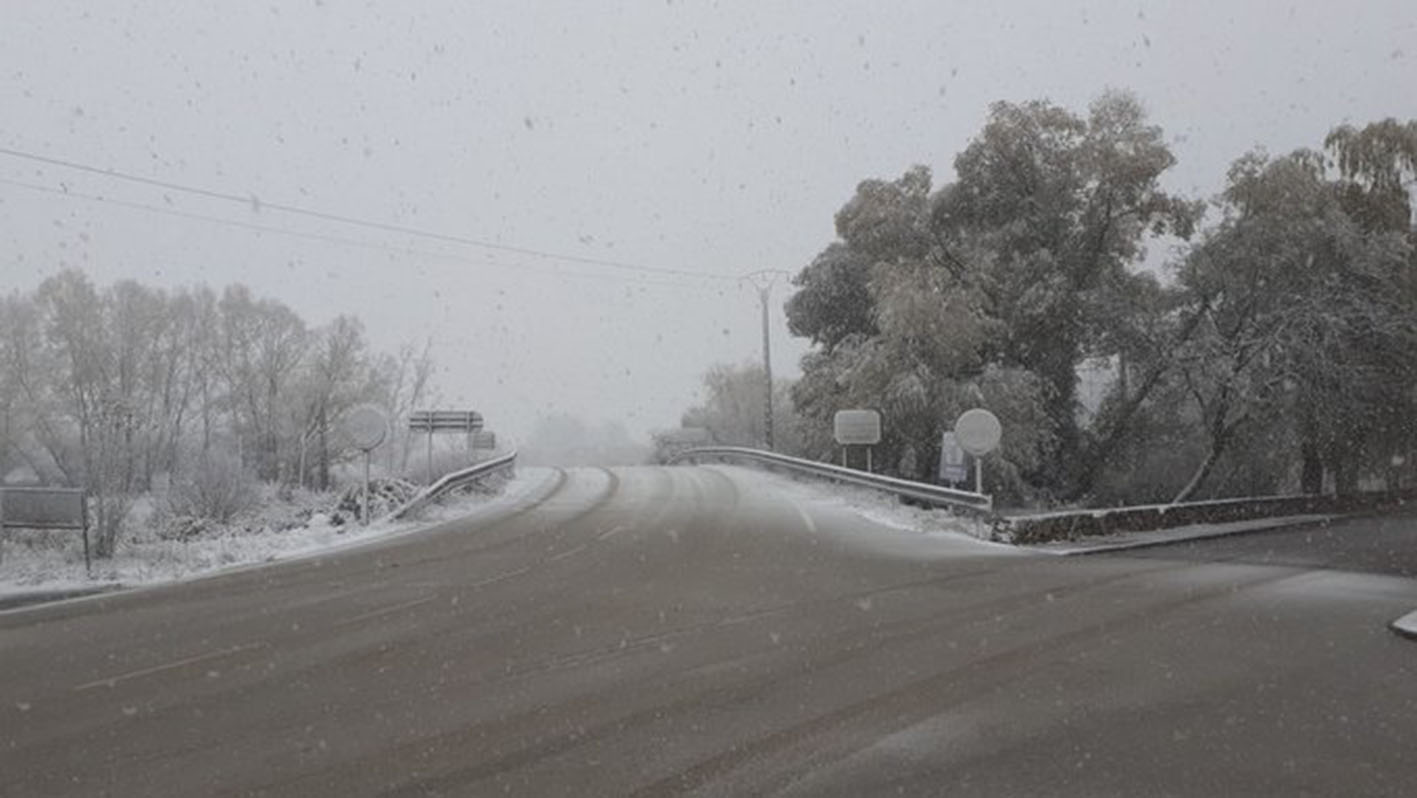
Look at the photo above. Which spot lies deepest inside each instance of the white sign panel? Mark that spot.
(978, 431)
(857, 427)
(953, 467)
(366, 426)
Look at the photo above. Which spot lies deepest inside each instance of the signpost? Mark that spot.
(857, 428)
(978, 432)
(953, 466)
(46, 508)
(431, 421)
(366, 426)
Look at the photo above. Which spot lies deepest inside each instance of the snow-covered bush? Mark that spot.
(218, 489)
(385, 496)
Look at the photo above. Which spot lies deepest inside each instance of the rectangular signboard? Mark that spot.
(42, 508)
(484, 439)
(46, 508)
(857, 427)
(445, 421)
(953, 466)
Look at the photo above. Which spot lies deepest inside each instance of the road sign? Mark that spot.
(978, 431)
(857, 427)
(366, 426)
(484, 439)
(953, 467)
(42, 508)
(46, 508)
(445, 421)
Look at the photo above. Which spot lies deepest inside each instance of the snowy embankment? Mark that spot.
(1406, 625)
(1119, 541)
(883, 510)
(53, 562)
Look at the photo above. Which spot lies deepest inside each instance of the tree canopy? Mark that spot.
(1290, 316)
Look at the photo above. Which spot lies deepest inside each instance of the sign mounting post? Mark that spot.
(431, 421)
(978, 432)
(366, 426)
(857, 428)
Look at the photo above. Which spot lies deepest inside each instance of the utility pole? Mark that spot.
(763, 281)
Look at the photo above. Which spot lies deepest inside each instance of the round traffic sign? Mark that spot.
(366, 426)
(978, 431)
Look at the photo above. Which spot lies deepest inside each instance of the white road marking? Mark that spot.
(501, 578)
(568, 552)
(806, 519)
(123, 677)
(612, 533)
(384, 611)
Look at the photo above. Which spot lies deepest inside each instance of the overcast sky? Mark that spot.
(714, 139)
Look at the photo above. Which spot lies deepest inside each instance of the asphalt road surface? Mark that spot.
(678, 631)
(1380, 545)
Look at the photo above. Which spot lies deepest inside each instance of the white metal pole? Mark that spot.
(764, 294)
(365, 514)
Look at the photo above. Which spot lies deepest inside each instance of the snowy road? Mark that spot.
(656, 631)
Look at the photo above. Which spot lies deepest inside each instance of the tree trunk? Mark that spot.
(324, 450)
(1311, 477)
(1219, 437)
(1202, 471)
(1345, 478)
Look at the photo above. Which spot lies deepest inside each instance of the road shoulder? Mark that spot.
(1406, 626)
(1161, 537)
(257, 550)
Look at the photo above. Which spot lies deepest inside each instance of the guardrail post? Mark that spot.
(88, 563)
(364, 511)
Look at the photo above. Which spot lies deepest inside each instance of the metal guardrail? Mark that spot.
(919, 491)
(456, 479)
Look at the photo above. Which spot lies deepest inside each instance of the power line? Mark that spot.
(351, 242)
(257, 204)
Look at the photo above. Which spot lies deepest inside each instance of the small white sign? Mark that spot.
(366, 426)
(857, 427)
(953, 467)
(978, 431)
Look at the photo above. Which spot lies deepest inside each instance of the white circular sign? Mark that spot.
(366, 426)
(978, 431)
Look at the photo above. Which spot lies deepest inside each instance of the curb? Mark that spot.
(1406, 626)
(1109, 548)
(15, 601)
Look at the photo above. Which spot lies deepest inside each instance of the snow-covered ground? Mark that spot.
(940, 524)
(54, 562)
(1406, 625)
(1158, 537)
(940, 528)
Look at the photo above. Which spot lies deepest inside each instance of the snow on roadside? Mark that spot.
(1406, 625)
(881, 508)
(146, 559)
(1121, 541)
(886, 510)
